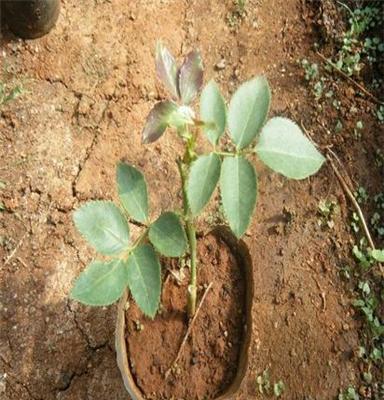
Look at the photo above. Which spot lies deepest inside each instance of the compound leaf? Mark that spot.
(213, 112)
(168, 236)
(238, 185)
(104, 226)
(158, 121)
(166, 69)
(203, 178)
(248, 111)
(285, 149)
(132, 191)
(191, 77)
(144, 278)
(101, 283)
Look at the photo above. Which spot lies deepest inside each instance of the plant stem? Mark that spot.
(192, 290)
(190, 228)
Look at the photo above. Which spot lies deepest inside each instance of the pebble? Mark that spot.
(3, 377)
(221, 64)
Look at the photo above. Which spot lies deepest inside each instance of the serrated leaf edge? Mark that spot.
(100, 202)
(117, 262)
(159, 296)
(184, 235)
(146, 220)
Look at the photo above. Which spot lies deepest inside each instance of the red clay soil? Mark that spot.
(88, 87)
(209, 360)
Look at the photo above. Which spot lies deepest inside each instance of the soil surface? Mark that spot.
(88, 87)
(208, 362)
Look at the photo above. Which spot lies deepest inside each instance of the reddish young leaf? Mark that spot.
(157, 121)
(166, 69)
(191, 77)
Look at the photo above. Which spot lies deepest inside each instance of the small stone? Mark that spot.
(293, 353)
(3, 377)
(221, 64)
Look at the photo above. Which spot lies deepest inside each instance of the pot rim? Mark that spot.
(240, 250)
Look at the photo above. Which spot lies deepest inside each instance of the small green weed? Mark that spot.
(361, 195)
(367, 304)
(9, 93)
(328, 209)
(312, 75)
(380, 114)
(358, 129)
(379, 158)
(362, 255)
(370, 296)
(356, 47)
(237, 14)
(265, 387)
(278, 388)
(355, 223)
(311, 70)
(377, 219)
(349, 394)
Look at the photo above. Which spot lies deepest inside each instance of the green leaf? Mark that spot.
(144, 278)
(158, 121)
(278, 388)
(168, 235)
(182, 116)
(203, 178)
(191, 77)
(213, 112)
(238, 185)
(132, 191)
(166, 69)
(101, 283)
(378, 255)
(248, 111)
(285, 149)
(104, 226)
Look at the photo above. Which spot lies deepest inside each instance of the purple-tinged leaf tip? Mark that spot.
(191, 77)
(157, 121)
(167, 70)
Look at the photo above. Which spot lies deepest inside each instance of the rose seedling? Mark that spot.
(135, 264)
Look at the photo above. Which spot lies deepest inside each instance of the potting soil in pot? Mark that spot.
(208, 362)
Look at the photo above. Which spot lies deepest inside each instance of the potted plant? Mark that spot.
(31, 19)
(134, 272)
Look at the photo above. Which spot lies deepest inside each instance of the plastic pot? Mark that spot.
(240, 251)
(31, 19)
